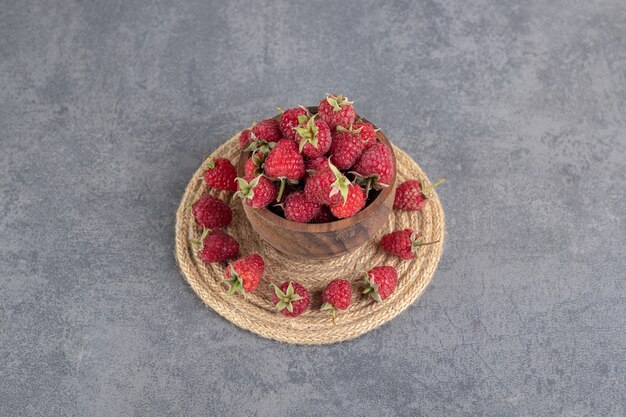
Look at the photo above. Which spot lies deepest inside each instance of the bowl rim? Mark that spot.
(336, 225)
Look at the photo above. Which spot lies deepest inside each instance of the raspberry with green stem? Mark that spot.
(290, 298)
(341, 184)
(337, 295)
(217, 246)
(286, 298)
(429, 189)
(258, 192)
(246, 189)
(205, 233)
(404, 243)
(380, 282)
(336, 110)
(313, 137)
(338, 101)
(245, 274)
(308, 133)
(235, 283)
(412, 195)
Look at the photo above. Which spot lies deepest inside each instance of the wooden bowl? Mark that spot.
(323, 240)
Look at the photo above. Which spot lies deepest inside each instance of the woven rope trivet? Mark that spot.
(256, 312)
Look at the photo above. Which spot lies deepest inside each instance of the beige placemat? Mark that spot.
(257, 314)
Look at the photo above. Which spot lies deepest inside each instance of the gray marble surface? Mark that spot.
(106, 109)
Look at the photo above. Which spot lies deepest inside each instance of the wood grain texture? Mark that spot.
(323, 240)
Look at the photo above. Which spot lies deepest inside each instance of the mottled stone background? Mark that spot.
(107, 107)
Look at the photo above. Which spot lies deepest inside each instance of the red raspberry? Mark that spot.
(221, 175)
(327, 186)
(403, 243)
(381, 282)
(336, 110)
(346, 148)
(367, 133)
(314, 138)
(257, 193)
(285, 163)
(287, 144)
(398, 243)
(244, 138)
(291, 298)
(267, 130)
(336, 296)
(216, 246)
(410, 195)
(244, 274)
(316, 163)
(376, 161)
(299, 209)
(252, 167)
(352, 205)
(210, 212)
(292, 118)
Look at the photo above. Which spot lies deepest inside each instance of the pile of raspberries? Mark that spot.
(316, 168)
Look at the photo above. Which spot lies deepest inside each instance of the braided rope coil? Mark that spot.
(256, 313)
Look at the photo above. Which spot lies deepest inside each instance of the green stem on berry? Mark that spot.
(429, 243)
(199, 242)
(235, 282)
(286, 298)
(431, 187)
(281, 189)
(235, 287)
(438, 182)
(417, 242)
(327, 306)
